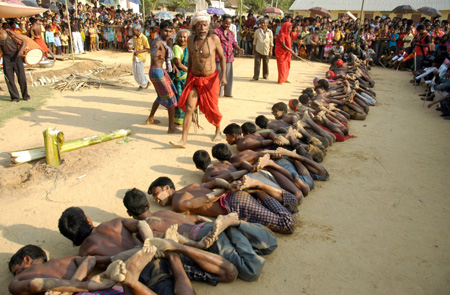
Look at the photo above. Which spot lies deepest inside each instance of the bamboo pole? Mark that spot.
(19, 157)
(361, 20)
(53, 140)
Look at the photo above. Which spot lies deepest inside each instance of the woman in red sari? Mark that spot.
(283, 52)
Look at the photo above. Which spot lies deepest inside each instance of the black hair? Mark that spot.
(280, 106)
(248, 128)
(73, 225)
(136, 202)
(166, 23)
(221, 152)
(35, 252)
(261, 121)
(324, 83)
(225, 16)
(201, 159)
(233, 128)
(308, 91)
(420, 27)
(160, 182)
(319, 87)
(303, 99)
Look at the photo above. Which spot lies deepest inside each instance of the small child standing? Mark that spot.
(65, 41)
(93, 38)
(49, 38)
(58, 43)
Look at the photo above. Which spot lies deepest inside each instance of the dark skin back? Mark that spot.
(253, 141)
(221, 170)
(183, 201)
(160, 221)
(111, 238)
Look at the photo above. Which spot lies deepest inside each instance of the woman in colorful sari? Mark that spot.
(180, 60)
(283, 52)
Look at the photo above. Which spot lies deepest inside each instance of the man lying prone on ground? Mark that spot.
(109, 239)
(274, 208)
(35, 274)
(237, 241)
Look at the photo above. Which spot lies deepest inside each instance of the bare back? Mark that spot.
(109, 238)
(191, 192)
(160, 221)
(60, 268)
(36, 31)
(221, 170)
(202, 54)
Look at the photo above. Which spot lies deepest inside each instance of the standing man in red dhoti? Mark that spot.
(36, 35)
(283, 52)
(202, 85)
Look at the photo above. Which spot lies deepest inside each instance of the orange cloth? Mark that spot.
(42, 44)
(283, 56)
(208, 96)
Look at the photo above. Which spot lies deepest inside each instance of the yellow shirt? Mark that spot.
(140, 43)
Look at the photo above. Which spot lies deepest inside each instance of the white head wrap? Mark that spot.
(201, 16)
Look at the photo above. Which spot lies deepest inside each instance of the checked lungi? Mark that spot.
(163, 86)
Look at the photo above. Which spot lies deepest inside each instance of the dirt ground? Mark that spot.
(350, 238)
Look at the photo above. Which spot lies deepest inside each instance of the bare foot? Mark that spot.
(207, 241)
(225, 221)
(151, 120)
(262, 162)
(284, 152)
(180, 144)
(136, 264)
(172, 233)
(281, 140)
(163, 244)
(173, 130)
(217, 137)
(235, 185)
(249, 183)
(116, 271)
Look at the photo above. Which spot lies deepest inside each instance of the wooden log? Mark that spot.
(53, 140)
(19, 157)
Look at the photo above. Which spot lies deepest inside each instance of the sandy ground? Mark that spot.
(350, 239)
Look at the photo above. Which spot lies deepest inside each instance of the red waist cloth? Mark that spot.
(41, 44)
(208, 96)
(339, 137)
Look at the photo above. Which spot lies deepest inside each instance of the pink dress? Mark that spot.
(330, 36)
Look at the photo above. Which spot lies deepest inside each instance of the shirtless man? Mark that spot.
(110, 239)
(36, 35)
(35, 274)
(260, 141)
(202, 85)
(160, 53)
(237, 241)
(274, 209)
(254, 164)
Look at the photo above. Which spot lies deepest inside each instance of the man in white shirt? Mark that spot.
(262, 49)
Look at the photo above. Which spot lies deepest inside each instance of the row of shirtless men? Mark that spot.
(253, 194)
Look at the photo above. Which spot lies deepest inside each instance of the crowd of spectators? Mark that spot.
(400, 43)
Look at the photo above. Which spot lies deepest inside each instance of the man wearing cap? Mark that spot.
(13, 63)
(203, 82)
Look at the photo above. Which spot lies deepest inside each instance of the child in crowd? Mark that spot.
(49, 38)
(92, 38)
(58, 43)
(65, 41)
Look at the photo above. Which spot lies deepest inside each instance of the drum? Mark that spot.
(32, 52)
